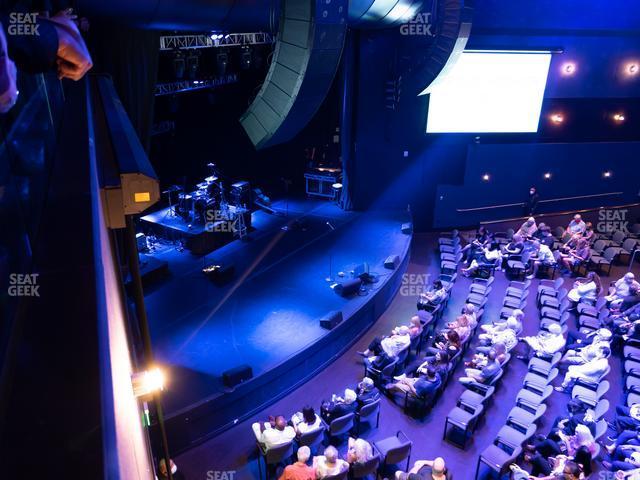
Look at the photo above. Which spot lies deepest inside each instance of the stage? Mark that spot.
(268, 315)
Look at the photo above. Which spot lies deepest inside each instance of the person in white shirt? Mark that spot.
(469, 311)
(329, 463)
(391, 345)
(542, 255)
(545, 344)
(506, 336)
(587, 289)
(517, 316)
(622, 288)
(528, 228)
(577, 225)
(274, 432)
(590, 371)
(585, 354)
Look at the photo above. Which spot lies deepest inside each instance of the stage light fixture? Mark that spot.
(486, 177)
(178, 64)
(245, 58)
(547, 175)
(607, 174)
(618, 117)
(568, 69)
(222, 60)
(147, 382)
(556, 118)
(632, 69)
(193, 64)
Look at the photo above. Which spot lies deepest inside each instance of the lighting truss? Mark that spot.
(172, 42)
(180, 86)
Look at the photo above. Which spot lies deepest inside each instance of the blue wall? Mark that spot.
(596, 36)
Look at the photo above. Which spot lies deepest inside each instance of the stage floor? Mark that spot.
(270, 310)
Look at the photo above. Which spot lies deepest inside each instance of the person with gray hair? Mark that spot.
(435, 469)
(329, 464)
(299, 470)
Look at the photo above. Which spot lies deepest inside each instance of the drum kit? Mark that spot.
(192, 206)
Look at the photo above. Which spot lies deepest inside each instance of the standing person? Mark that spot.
(8, 89)
(532, 201)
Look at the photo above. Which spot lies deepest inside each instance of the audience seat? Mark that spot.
(274, 456)
(394, 450)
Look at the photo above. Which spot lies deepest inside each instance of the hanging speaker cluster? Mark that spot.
(307, 53)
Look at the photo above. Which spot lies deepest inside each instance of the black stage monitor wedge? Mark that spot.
(237, 375)
(392, 262)
(219, 272)
(331, 319)
(407, 227)
(306, 56)
(349, 287)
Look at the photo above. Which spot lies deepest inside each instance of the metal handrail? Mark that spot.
(551, 200)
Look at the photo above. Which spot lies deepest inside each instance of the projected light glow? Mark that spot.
(489, 92)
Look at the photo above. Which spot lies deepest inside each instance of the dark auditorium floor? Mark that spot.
(235, 449)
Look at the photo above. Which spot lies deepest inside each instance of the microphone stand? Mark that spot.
(330, 277)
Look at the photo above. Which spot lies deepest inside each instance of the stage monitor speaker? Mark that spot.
(311, 35)
(141, 242)
(331, 319)
(392, 262)
(237, 375)
(361, 270)
(407, 227)
(348, 287)
(219, 273)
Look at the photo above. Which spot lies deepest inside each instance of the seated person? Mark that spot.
(426, 470)
(622, 288)
(542, 256)
(507, 336)
(576, 225)
(491, 257)
(579, 255)
(517, 316)
(515, 246)
(469, 311)
(544, 235)
(589, 233)
(586, 289)
(339, 406)
(359, 451)
(627, 418)
(329, 464)
(579, 414)
(461, 326)
(528, 229)
(482, 240)
(589, 372)
(480, 359)
(545, 344)
(299, 470)
(557, 443)
(577, 339)
(366, 392)
(484, 375)
(391, 345)
(419, 367)
(305, 421)
(625, 437)
(421, 386)
(445, 342)
(433, 297)
(586, 353)
(274, 432)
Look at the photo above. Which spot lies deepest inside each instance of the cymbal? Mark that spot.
(211, 164)
(173, 188)
(202, 185)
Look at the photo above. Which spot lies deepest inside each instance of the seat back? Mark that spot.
(610, 253)
(599, 245)
(342, 425)
(630, 244)
(338, 476)
(370, 467)
(398, 454)
(601, 428)
(312, 438)
(369, 411)
(389, 369)
(618, 236)
(279, 453)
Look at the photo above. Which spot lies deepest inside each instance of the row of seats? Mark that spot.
(462, 419)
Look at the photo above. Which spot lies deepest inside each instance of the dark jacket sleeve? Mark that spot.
(32, 53)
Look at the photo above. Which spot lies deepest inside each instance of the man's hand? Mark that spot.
(74, 60)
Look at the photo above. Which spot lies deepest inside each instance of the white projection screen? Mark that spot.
(489, 92)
